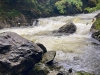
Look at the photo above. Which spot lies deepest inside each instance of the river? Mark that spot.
(78, 51)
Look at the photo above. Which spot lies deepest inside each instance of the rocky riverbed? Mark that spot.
(19, 56)
(51, 49)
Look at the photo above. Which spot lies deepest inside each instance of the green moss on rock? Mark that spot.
(97, 23)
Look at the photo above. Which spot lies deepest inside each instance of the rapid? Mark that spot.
(78, 51)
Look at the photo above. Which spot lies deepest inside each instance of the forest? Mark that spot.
(9, 9)
(37, 8)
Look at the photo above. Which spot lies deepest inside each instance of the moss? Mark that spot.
(9, 14)
(97, 23)
(39, 69)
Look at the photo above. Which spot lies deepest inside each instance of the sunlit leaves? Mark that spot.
(64, 5)
(60, 6)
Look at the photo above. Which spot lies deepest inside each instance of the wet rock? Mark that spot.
(67, 28)
(48, 57)
(42, 47)
(96, 35)
(17, 55)
(70, 70)
(39, 69)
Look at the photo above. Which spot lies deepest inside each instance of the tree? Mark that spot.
(69, 6)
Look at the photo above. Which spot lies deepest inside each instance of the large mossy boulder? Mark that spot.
(67, 28)
(17, 55)
(48, 57)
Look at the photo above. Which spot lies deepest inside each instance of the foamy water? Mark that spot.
(78, 51)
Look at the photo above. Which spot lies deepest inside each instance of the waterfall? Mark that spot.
(78, 51)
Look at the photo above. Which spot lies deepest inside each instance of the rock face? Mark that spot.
(19, 21)
(96, 35)
(48, 57)
(17, 55)
(67, 28)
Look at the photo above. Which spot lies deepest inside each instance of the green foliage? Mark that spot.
(8, 13)
(13, 8)
(97, 23)
(93, 9)
(61, 6)
(69, 6)
(13, 13)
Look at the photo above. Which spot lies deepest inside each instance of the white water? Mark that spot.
(78, 51)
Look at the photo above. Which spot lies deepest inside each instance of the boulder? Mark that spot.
(17, 55)
(67, 28)
(42, 47)
(48, 57)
